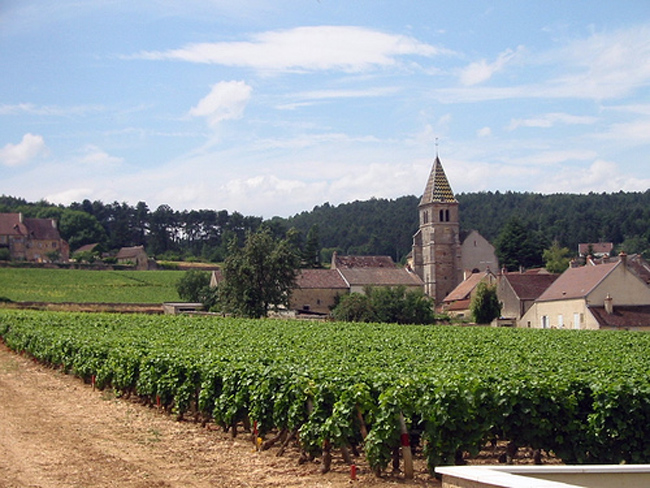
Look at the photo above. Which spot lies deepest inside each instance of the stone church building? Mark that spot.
(441, 256)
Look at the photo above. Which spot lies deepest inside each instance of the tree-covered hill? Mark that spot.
(567, 218)
(373, 227)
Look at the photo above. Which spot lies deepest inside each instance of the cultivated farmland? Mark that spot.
(86, 286)
(338, 387)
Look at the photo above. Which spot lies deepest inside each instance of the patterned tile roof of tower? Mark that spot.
(438, 189)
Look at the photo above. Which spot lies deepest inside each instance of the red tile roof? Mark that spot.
(465, 288)
(639, 266)
(577, 282)
(320, 278)
(459, 305)
(380, 277)
(363, 262)
(529, 286)
(10, 225)
(129, 252)
(597, 248)
(44, 229)
(623, 316)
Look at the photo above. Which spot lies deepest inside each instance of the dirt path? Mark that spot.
(56, 431)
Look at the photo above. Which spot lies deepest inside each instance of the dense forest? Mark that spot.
(376, 226)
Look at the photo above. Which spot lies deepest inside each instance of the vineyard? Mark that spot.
(365, 389)
(82, 286)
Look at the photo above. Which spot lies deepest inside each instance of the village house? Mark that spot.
(458, 302)
(517, 291)
(595, 249)
(603, 296)
(317, 290)
(31, 239)
(133, 256)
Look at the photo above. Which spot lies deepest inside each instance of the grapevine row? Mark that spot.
(584, 396)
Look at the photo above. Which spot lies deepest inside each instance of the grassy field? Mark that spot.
(85, 286)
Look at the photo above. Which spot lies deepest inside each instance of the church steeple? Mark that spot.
(438, 189)
(436, 245)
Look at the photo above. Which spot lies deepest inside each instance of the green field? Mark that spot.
(85, 286)
(583, 395)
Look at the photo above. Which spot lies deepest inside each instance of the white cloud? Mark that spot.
(67, 197)
(634, 132)
(604, 66)
(600, 176)
(481, 71)
(552, 158)
(484, 132)
(29, 148)
(552, 119)
(96, 157)
(313, 48)
(226, 101)
(48, 110)
(607, 65)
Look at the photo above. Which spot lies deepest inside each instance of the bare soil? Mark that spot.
(56, 431)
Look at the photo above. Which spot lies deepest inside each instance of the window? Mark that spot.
(544, 321)
(560, 321)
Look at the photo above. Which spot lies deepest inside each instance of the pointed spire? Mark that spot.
(438, 189)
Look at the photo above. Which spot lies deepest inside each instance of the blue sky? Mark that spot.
(271, 107)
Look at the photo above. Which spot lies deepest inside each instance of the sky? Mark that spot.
(269, 108)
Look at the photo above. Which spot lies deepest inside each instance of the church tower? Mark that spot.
(436, 245)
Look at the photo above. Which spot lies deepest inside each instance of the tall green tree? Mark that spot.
(519, 246)
(260, 275)
(193, 285)
(556, 258)
(311, 251)
(485, 305)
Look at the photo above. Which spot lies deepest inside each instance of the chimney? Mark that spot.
(53, 223)
(609, 304)
(20, 217)
(623, 257)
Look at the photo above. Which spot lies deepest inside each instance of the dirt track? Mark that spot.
(56, 431)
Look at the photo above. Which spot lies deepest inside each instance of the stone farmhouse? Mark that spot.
(611, 295)
(31, 239)
(317, 289)
(518, 291)
(135, 256)
(457, 303)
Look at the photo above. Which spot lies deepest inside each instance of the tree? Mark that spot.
(355, 307)
(311, 252)
(80, 228)
(636, 245)
(259, 275)
(192, 285)
(517, 245)
(556, 258)
(485, 305)
(386, 304)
